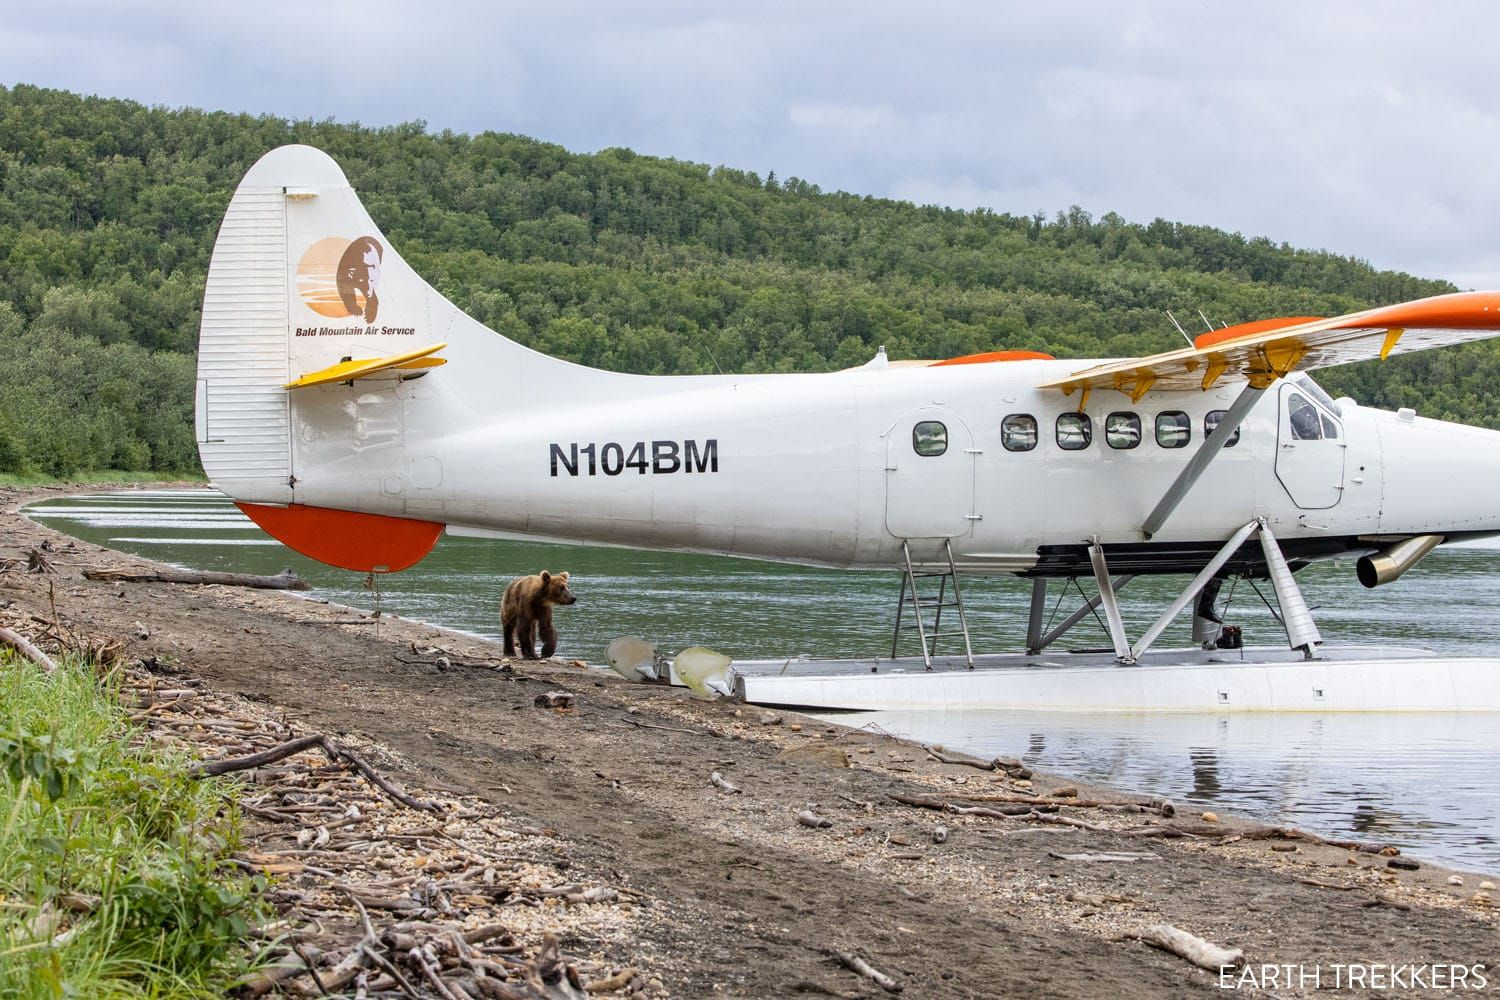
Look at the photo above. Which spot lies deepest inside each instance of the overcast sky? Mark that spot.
(1365, 128)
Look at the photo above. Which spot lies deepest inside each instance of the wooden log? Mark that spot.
(285, 580)
(609, 984)
(920, 801)
(427, 964)
(24, 647)
(1204, 954)
(854, 963)
(1106, 856)
(1067, 821)
(374, 955)
(1027, 808)
(999, 812)
(938, 754)
(334, 751)
(269, 979)
(809, 818)
(271, 756)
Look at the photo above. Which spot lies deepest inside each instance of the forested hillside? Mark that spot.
(108, 212)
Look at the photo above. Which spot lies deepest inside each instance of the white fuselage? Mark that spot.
(823, 468)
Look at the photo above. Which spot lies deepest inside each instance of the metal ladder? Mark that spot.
(909, 595)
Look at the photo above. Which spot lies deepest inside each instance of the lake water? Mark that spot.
(1425, 782)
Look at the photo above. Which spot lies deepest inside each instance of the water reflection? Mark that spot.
(1422, 781)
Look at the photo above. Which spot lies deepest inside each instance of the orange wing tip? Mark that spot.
(991, 356)
(366, 543)
(1458, 311)
(1248, 329)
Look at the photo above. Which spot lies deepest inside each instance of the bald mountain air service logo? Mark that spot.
(338, 277)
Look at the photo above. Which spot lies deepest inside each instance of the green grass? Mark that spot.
(100, 477)
(120, 841)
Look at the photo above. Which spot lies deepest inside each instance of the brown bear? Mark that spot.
(528, 604)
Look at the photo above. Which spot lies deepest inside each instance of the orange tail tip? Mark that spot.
(367, 543)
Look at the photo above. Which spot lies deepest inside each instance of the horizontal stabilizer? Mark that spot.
(357, 368)
(1259, 355)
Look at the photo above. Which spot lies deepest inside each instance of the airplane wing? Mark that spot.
(1263, 351)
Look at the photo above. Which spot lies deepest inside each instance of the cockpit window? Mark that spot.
(1330, 428)
(1018, 432)
(1122, 430)
(1307, 423)
(1212, 419)
(929, 438)
(1304, 382)
(1074, 431)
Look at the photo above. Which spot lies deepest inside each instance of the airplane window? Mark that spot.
(1018, 432)
(1122, 430)
(1173, 429)
(1304, 418)
(1330, 429)
(1212, 419)
(1074, 431)
(1314, 390)
(929, 438)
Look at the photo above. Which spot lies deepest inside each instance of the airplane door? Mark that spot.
(1309, 450)
(929, 475)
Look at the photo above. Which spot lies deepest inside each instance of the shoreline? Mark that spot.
(739, 897)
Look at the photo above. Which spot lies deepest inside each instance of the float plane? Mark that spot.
(356, 414)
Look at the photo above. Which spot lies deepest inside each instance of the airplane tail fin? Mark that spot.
(314, 342)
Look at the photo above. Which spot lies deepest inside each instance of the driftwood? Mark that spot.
(285, 580)
(1156, 805)
(335, 753)
(270, 978)
(1327, 885)
(1013, 768)
(1106, 856)
(23, 646)
(1289, 833)
(854, 963)
(670, 729)
(1204, 954)
(946, 805)
(618, 981)
(942, 757)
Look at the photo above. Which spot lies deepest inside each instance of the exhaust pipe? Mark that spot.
(1395, 559)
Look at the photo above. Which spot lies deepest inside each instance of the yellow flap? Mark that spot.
(346, 371)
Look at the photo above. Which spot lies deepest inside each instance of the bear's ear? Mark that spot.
(563, 576)
(546, 578)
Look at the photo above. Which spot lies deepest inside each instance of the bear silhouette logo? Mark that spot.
(338, 277)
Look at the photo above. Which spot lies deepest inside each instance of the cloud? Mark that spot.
(1365, 128)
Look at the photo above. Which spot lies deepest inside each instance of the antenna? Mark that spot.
(1180, 329)
(1206, 321)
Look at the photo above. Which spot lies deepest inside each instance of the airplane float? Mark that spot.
(355, 414)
